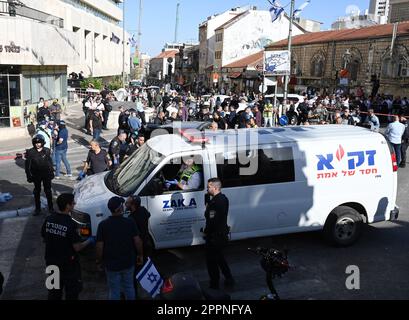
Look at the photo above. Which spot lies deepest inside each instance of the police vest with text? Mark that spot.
(186, 174)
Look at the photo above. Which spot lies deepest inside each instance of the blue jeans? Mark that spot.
(96, 134)
(398, 151)
(61, 155)
(121, 281)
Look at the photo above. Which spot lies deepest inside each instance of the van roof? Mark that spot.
(169, 144)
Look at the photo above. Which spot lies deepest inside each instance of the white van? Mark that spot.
(278, 181)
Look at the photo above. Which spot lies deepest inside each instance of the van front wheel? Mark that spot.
(343, 226)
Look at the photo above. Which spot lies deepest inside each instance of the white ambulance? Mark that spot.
(278, 181)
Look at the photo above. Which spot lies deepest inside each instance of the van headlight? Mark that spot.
(83, 221)
(80, 217)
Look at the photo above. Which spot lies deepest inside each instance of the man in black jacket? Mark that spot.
(43, 113)
(141, 217)
(216, 234)
(39, 169)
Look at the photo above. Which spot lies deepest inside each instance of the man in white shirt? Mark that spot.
(394, 133)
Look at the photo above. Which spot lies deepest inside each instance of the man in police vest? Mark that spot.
(189, 177)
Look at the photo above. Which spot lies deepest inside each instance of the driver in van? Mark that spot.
(189, 177)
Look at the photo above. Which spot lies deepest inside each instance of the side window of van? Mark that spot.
(270, 165)
(176, 171)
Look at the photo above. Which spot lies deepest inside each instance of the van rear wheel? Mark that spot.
(343, 226)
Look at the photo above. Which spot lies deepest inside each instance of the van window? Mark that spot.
(174, 170)
(272, 165)
(126, 179)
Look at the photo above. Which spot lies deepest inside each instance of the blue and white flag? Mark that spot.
(132, 41)
(301, 8)
(276, 10)
(150, 279)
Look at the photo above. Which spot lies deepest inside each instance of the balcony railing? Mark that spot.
(17, 8)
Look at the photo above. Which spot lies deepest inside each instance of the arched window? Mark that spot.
(389, 68)
(396, 64)
(352, 60)
(403, 67)
(353, 68)
(317, 65)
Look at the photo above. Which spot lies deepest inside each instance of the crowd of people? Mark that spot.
(221, 112)
(256, 111)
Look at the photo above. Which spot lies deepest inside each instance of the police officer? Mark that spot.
(117, 148)
(216, 234)
(39, 169)
(62, 243)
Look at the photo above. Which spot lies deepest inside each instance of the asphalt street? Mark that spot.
(382, 253)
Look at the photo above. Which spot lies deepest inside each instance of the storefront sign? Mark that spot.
(11, 48)
(277, 63)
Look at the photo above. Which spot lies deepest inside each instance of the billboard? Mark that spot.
(277, 63)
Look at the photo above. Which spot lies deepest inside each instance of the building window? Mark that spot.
(317, 65)
(218, 55)
(219, 37)
(404, 67)
(353, 69)
(273, 165)
(388, 68)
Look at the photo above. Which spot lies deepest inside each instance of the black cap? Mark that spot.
(114, 203)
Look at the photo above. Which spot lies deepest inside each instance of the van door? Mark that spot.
(177, 215)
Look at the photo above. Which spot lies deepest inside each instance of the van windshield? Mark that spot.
(127, 178)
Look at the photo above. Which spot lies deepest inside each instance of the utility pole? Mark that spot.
(124, 45)
(177, 23)
(287, 77)
(138, 52)
(140, 26)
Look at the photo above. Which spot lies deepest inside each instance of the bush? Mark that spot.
(96, 83)
(115, 84)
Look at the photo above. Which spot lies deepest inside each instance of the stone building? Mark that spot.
(351, 58)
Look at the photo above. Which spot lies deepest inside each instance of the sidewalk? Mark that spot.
(22, 203)
(9, 148)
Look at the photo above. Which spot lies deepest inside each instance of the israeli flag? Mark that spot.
(132, 41)
(150, 279)
(276, 10)
(301, 8)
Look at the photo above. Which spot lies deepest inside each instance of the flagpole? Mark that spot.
(123, 46)
(287, 77)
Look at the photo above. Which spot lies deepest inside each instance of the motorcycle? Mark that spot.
(275, 263)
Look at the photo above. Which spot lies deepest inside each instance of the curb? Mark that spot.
(22, 212)
(5, 157)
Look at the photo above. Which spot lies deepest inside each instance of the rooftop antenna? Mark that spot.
(177, 23)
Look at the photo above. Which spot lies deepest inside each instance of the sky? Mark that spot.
(159, 16)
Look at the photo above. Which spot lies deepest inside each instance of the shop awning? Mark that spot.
(234, 75)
